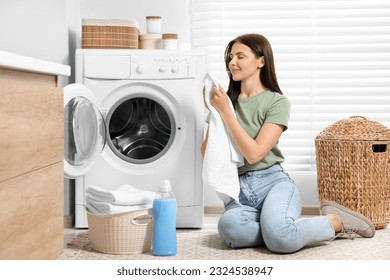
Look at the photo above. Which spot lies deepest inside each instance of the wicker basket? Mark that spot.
(353, 167)
(122, 233)
(109, 34)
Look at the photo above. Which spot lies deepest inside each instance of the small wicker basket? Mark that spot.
(109, 34)
(353, 167)
(122, 233)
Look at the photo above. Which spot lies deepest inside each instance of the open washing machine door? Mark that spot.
(84, 130)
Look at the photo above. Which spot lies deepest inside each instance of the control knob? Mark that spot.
(140, 69)
(175, 69)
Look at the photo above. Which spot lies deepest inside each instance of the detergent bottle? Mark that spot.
(164, 216)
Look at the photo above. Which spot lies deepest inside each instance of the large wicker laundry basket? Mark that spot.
(121, 233)
(353, 167)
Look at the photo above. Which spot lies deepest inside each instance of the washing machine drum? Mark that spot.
(140, 130)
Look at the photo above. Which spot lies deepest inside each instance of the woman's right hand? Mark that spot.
(220, 100)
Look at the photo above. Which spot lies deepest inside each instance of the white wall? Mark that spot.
(35, 28)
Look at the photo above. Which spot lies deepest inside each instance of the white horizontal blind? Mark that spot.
(332, 59)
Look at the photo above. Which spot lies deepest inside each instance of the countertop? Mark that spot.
(25, 63)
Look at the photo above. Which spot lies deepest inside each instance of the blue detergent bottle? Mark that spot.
(164, 216)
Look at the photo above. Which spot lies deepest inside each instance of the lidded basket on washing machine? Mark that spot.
(353, 167)
(110, 34)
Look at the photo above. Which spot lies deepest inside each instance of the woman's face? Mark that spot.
(244, 64)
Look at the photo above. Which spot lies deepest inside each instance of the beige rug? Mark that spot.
(206, 245)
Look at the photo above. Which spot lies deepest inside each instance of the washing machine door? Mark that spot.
(84, 130)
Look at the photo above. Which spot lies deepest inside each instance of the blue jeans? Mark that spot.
(268, 213)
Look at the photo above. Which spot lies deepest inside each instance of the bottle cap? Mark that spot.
(153, 17)
(169, 36)
(165, 186)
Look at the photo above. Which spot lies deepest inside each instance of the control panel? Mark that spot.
(138, 64)
(162, 67)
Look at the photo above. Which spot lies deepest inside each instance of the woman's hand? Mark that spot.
(252, 149)
(220, 100)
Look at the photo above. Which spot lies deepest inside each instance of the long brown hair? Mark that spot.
(260, 46)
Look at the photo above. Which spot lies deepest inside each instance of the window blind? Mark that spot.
(332, 59)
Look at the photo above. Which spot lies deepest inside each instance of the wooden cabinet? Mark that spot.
(31, 165)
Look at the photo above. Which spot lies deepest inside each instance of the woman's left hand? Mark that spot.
(220, 100)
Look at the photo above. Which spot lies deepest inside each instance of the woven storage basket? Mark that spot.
(122, 233)
(109, 34)
(353, 167)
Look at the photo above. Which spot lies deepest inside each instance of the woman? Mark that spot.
(269, 207)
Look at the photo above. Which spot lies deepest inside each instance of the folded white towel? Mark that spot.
(99, 207)
(91, 208)
(125, 195)
(222, 158)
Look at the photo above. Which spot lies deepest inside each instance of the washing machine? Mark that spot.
(136, 117)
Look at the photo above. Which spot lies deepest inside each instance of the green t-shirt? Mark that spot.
(253, 112)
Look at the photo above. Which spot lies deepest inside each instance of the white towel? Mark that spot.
(222, 158)
(125, 195)
(99, 207)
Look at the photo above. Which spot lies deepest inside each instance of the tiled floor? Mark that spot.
(209, 223)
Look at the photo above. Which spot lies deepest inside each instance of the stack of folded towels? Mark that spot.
(124, 199)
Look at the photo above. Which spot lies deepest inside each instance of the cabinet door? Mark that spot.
(31, 114)
(32, 215)
(31, 166)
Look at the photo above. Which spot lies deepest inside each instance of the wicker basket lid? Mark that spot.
(111, 22)
(355, 128)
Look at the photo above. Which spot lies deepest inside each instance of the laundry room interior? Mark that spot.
(169, 102)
